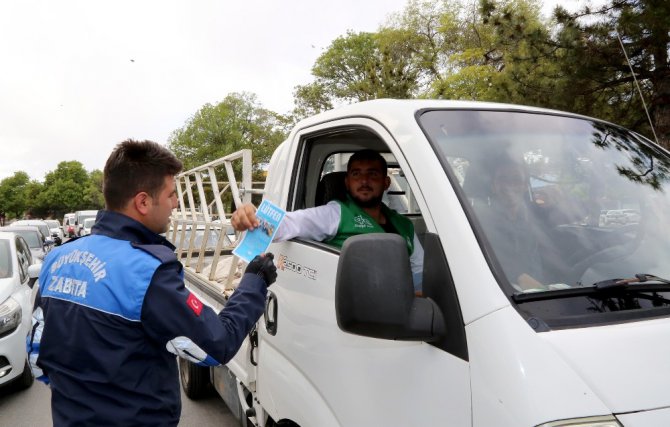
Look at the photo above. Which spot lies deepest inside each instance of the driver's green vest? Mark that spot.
(354, 221)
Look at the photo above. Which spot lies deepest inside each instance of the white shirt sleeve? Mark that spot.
(319, 223)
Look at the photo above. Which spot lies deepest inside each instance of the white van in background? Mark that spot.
(86, 226)
(68, 225)
(79, 218)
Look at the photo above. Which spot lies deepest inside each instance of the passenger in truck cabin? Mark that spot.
(510, 225)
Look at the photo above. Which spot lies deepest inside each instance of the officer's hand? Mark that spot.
(263, 266)
(244, 218)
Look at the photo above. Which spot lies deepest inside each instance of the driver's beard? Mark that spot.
(372, 203)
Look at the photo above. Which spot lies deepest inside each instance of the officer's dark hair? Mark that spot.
(368, 155)
(136, 166)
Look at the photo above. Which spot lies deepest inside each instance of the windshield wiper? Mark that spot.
(639, 278)
(640, 283)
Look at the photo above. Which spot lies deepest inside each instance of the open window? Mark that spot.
(320, 177)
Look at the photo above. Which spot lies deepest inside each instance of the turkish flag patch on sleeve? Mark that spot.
(194, 304)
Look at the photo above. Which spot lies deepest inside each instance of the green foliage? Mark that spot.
(237, 122)
(36, 205)
(310, 99)
(65, 190)
(93, 196)
(12, 194)
(360, 67)
(504, 51)
(597, 75)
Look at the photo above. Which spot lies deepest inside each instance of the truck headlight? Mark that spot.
(10, 316)
(604, 421)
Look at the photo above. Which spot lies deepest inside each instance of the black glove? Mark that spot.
(263, 266)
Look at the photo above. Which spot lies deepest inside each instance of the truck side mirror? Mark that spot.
(374, 295)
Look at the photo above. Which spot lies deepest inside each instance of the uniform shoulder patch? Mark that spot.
(161, 252)
(194, 304)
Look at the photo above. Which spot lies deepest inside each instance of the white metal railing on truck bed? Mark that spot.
(200, 226)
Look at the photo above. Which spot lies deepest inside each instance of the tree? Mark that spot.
(601, 77)
(12, 194)
(359, 67)
(438, 49)
(65, 189)
(503, 53)
(237, 122)
(36, 205)
(93, 196)
(310, 99)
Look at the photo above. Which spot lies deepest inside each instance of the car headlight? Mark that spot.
(10, 316)
(605, 421)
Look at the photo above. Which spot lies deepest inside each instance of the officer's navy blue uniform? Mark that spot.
(111, 303)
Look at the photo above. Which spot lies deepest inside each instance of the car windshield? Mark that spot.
(42, 226)
(5, 259)
(31, 237)
(52, 223)
(558, 202)
(88, 222)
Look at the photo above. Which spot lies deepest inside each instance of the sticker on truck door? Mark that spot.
(285, 264)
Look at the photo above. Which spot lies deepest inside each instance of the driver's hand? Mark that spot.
(526, 282)
(244, 218)
(263, 266)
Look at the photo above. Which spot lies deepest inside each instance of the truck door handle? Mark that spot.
(270, 313)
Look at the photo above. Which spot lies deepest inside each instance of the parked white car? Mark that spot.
(18, 276)
(40, 224)
(39, 246)
(55, 228)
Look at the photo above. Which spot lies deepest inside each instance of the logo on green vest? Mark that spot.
(361, 222)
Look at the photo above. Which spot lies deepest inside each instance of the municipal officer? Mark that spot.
(113, 306)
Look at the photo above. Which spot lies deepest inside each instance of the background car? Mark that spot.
(39, 246)
(615, 217)
(86, 226)
(40, 224)
(55, 228)
(18, 274)
(632, 216)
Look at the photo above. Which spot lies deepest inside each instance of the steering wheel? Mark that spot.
(609, 253)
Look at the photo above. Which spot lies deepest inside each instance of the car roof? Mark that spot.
(6, 235)
(21, 228)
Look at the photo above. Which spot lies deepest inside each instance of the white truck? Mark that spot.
(534, 312)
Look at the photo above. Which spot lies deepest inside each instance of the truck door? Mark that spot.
(309, 370)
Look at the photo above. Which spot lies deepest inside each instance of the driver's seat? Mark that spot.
(331, 187)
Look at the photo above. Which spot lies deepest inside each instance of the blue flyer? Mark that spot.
(256, 241)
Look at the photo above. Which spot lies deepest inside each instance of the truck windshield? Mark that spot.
(562, 203)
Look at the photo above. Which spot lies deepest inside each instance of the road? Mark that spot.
(30, 408)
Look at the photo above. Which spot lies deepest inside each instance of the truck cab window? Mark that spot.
(398, 197)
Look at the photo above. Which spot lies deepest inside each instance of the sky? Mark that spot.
(78, 77)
